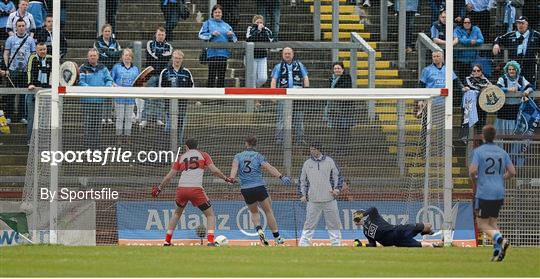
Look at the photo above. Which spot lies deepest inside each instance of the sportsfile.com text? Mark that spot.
(109, 155)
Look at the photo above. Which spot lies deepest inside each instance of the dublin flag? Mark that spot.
(16, 221)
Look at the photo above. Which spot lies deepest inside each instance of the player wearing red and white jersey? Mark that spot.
(191, 165)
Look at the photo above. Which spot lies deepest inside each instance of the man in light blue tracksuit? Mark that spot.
(320, 172)
(93, 73)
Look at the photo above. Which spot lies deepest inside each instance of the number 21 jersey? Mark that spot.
(492, 162)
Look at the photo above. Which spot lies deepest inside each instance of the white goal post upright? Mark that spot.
(55, 118)
(448, 181)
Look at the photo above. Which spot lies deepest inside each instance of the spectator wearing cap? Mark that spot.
(523, 46)
(479, 11)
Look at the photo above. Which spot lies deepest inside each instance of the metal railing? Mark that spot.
(317, 20)
(424, 43)
(356, 44)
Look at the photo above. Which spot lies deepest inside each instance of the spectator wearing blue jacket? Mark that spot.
(38, 9)
(468, 36)
(6, 8)
(217, 30)
(124, 74)
(93, 73)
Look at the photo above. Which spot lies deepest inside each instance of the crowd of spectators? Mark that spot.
(28, 23)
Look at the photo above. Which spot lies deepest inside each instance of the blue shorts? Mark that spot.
(404, 235)
(488, 208)
(255, 194)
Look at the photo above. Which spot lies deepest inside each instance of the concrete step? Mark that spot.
(351, 27)
(359, 54)
(364, 64)
(13, 171)
(382, 83)
(13, 139)
(12, 160)
(13, 149)
(342, 18)
(346, 36)
(327, 9)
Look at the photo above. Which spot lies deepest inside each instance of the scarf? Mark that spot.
(509, 16)
(296, 75)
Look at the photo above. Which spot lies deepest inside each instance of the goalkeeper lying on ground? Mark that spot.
(376, 229)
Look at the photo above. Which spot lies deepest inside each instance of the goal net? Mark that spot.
(390, 157)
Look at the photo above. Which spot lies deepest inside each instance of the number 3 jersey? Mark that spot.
(249, 168)
(491, 161)
(192, 165)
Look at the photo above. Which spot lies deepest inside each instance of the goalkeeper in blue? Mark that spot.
(376, 229)
(249, 165)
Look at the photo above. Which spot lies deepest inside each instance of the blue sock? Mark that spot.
(497, 238)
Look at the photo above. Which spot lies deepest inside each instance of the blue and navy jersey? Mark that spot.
(377, 229)
(249, 168)
(492, 162)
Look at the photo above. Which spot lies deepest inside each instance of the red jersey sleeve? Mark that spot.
(179, 166)
(207, 159)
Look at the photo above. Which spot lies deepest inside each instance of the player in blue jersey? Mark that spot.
(376, 229)
(490, 166)
(249, 165)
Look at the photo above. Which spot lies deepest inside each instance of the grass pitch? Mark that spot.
(194, 261)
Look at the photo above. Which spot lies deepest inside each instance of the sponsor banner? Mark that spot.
(145, 223)
(75, 223)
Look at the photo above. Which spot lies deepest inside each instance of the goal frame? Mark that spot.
(249, 94)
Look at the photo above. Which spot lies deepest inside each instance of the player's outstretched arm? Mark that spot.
(275, 173)
(217, 172)
(164, 182)
(234, 169)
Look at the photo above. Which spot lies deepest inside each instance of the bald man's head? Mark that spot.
(287, 54)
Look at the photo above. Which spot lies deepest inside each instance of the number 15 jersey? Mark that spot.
(491, 161)
(192, 165)
(249, 168)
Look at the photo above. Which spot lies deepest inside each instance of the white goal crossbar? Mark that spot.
(255, 93)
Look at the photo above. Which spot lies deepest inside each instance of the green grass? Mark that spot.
(263, 261)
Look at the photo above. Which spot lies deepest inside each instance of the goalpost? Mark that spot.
(394, 162)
